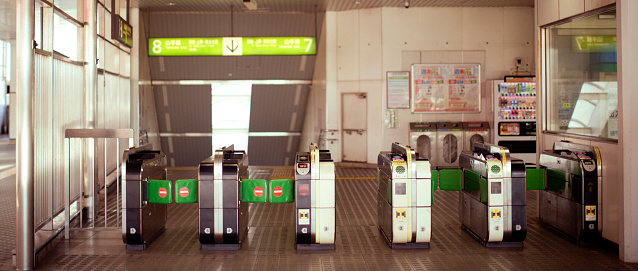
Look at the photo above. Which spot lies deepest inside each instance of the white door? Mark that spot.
(353, 126)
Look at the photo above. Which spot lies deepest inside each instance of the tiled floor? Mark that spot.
(270, 243)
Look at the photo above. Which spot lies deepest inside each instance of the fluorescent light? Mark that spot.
(250, 4)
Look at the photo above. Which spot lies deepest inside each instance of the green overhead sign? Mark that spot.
(232, 46)
(594, 44)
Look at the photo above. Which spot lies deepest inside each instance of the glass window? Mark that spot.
(231, 128)
(69, 7)
(66, 37)
(582, 93)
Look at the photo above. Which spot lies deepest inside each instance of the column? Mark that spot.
(25, 22)
(627, 82)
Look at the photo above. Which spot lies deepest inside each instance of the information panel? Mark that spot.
(446, 88)
(232, 46)
(398, 86)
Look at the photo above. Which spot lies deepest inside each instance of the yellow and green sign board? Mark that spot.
(232, 46)
(594, 44)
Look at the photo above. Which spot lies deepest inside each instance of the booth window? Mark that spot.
(581, 85)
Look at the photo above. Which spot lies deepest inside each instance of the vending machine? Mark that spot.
(515, 116)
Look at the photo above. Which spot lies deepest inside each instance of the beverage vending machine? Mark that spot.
(515, 116)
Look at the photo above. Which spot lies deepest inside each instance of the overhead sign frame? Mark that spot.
(232, 46)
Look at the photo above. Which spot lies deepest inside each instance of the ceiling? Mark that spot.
(7, 7)
(309, 5)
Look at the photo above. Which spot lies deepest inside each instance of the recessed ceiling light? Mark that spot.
(357, 2)
(170, 3)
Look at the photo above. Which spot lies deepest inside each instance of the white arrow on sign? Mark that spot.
(229, 230)
(232, 46)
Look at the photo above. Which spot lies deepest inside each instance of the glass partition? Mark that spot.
(582, 93)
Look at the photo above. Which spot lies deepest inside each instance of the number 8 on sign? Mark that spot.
(157, 46)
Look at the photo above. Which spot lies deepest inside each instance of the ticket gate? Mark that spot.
(315, 199)
(492, 205)
(142, 220)
(223, 217)
(570, 202)
(404, 198)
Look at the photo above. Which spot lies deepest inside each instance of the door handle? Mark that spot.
(358, 131)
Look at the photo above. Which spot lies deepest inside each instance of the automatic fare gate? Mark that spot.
(315, 200)
(404, 198)
(492, 205)
(223, 217)
(143, 219)
(570, 201)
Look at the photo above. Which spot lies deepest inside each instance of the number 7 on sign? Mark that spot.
(309, 41)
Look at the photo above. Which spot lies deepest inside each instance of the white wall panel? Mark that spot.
(407, 59)
(568, 8)
(348, 45)
(547, 11)
(442, 29)
(518, 38)
(125, 63)
(111, 58)
(370, 65)
(594, 4)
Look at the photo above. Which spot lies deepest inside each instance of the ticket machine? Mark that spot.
(492, 205)
(223, 217)
(404, 198)
(571, 202)
(315, 199)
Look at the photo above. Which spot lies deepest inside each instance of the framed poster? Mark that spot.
(446, 88)
(398, 87)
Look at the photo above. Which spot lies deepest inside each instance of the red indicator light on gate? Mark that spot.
(303, 190)
(303, 166)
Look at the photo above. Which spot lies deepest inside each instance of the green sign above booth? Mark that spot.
(232, 46)
(594, 44)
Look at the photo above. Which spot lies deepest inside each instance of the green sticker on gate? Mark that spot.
(186, 191)
(254, 190)
(159, 191)
(281, 191)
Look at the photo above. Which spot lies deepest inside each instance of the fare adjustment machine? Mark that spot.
(492, 205)
(570, 202)
(143, 219)
(404, 198)
(223, 217)
(315, 199)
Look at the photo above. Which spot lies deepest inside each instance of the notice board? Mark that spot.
(446, 88)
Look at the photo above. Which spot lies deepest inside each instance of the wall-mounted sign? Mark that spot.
(398, 87)
(232, 46)
(594, 44)
(446, 88)
(122, 31)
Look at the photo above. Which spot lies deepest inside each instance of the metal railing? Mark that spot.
(88, 191)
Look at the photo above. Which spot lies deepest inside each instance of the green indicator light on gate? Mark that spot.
(496, 169)
(400, 169)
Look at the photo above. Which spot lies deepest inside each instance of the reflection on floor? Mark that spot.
(270, 243)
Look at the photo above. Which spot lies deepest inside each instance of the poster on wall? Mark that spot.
(398, 86)
(446, 88)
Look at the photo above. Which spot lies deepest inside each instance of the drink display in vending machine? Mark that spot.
(515, 116)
